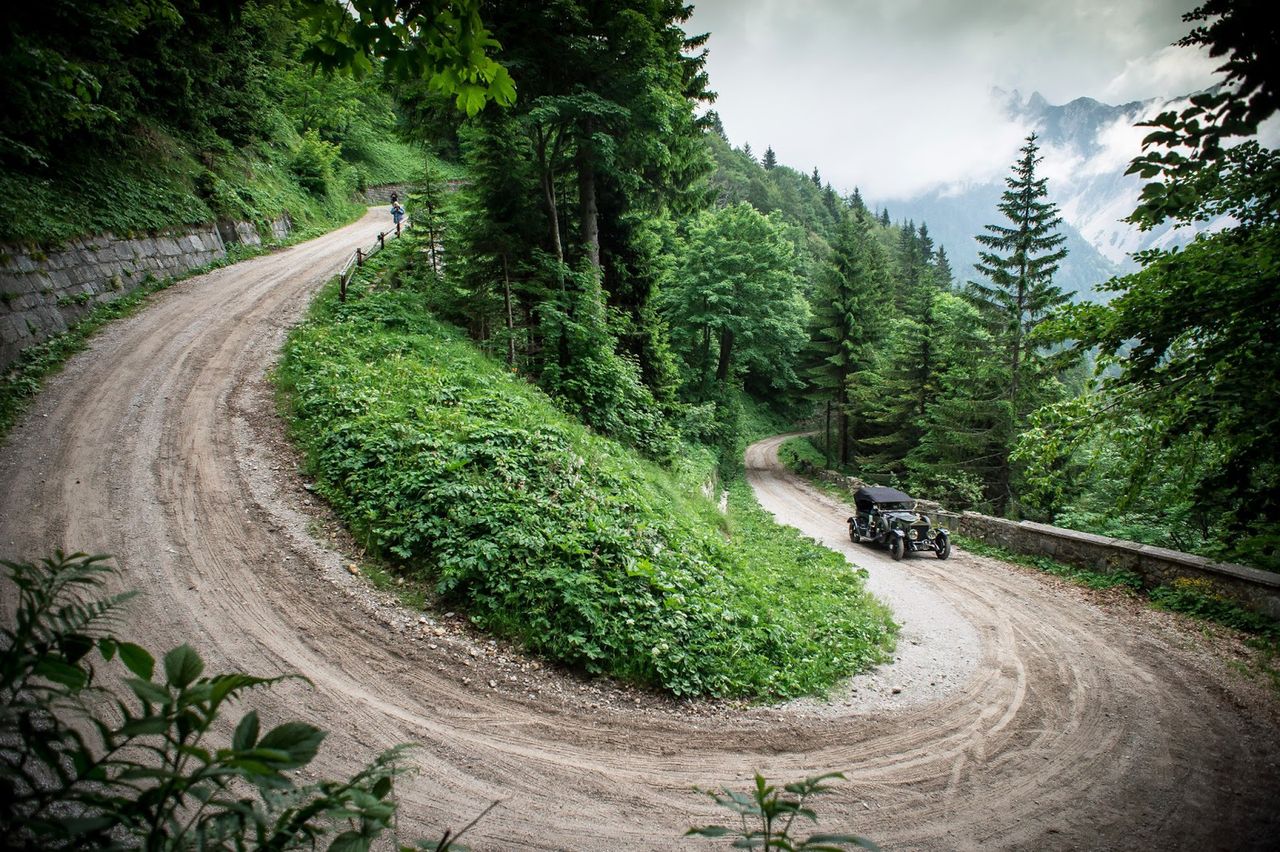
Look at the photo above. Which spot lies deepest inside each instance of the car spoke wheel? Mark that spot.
(897, 547)
(943, 547)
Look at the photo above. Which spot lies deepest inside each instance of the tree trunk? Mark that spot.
(506, 301)
(726, 355)
(826, 444)
(546, 170)
(587, 199)
(843, 417)
(431, 226)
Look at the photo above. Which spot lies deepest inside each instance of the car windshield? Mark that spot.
(894, 507)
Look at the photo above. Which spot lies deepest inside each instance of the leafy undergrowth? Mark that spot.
(800, 455)
(1080, 576)
(467, 476)
(1200, 598)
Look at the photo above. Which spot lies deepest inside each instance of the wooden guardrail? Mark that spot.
(360, 255)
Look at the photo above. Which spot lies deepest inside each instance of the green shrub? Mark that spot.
(313, 162)
(767, 815)
(1202, 599)
(548, 533)
(800, 455)
(139, 765)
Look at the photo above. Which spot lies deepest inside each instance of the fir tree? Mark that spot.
(924, 243)
(746, 149)
(962, 435)
(770, 159)
(847, 323)
(1019, 261)
(910, 262)
(942, 268)
(815, 177)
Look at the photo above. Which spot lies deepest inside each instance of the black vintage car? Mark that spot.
(887, 517)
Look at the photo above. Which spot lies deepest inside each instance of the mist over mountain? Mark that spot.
(1087, 146)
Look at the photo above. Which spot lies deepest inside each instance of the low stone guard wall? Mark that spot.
(1256, 589)
(44, 292)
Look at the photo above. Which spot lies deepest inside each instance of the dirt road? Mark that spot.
(1064, 723)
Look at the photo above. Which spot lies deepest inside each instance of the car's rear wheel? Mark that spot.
(943, 546)
(897, 547)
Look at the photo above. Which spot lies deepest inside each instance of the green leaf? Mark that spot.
(62, 672)
(835, 840)
(137, 660)
(74, 646)
(349, 841)
(147, 725)
(246, 735)
(182, 666)
(297, 739)
(147, 691)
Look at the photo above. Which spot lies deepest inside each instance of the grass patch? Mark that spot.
(1080, 576)
(799, 455)
(470, 478)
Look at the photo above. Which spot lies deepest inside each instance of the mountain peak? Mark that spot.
(1035, 103)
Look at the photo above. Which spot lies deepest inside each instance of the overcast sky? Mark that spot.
(895, 96)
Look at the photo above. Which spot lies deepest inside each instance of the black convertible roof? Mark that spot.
(880, 494)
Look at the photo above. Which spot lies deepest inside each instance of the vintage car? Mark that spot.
(887, 517)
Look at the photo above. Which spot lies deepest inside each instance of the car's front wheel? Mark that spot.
(897, 547)
(943, 546)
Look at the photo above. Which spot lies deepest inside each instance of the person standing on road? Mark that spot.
(397, 213)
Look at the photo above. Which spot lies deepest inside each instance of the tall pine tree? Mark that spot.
(848, 322)
(1019, 260)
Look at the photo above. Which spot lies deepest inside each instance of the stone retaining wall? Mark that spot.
(374, 195)
(1157, 566)
(1258, 590)
(45, 291)
(382, 194)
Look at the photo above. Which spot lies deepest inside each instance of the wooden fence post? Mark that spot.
(359, 257)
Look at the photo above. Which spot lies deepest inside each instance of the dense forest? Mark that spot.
(124, 116)
(614, 247)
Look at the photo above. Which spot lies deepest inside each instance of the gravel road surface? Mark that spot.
(1020, 713)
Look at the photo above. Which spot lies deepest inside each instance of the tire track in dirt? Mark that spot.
(1067, 725)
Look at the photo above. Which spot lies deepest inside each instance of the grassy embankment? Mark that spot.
(163, 183)
(467, 477)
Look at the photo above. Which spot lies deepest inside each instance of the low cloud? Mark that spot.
(896, 98)
(1170, 70)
